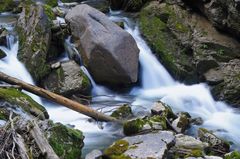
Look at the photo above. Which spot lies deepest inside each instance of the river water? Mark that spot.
(155, 84)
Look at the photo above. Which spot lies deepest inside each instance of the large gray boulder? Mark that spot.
(109, 52)
(153, 145)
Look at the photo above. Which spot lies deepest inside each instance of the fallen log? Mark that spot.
(58, 99)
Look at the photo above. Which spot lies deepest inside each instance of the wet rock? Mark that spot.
(218, 146)
(3, 37)
(67, 79)
(214, 76)
(13, 98)
(224, 15)
(232, 155)
(197, 121)
(191, 48)
(138, 146)
(34, 33)
(229, 89)
(123, 112)
(66, 142)
(182, 122)
(2, 54)
(111, 55)
(8, 5)
(146, 124)
(187, 146)
(93, 154)
(160, 108)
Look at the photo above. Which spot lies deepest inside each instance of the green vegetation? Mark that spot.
(116, 150)
(24, 101)
(66, 142)
(52, 3)
(122, 112)
(233, 155)
(7, 5)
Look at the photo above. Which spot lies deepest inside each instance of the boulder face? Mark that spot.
(68, 79)
(110, 53)
(34, 32)
(192, 49)
(224, 15)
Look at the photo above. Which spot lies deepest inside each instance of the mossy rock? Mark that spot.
(20, 99)
(156, 24)
(51, 3)
(233, 155)
(66, 142)
(123, 112)
(7, 5)
(49, 12)
(218, 146)
(116, 150)
(34, 31)
(139, 125)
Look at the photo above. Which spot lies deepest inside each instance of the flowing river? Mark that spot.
(155, 84)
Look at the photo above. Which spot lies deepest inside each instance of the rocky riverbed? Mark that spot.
(197, 42)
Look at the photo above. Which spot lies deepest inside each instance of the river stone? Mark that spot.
(67, 79)
(34, 33)
(93, 154)
(218, 146)
(189, 142)
(109, 53)
(153, 145)
(214, 76)
(3, 37)
(182, 122)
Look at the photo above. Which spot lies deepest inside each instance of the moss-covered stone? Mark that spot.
(34, 30)
(233, 155)
(217, 146)
(136, 126)
(66, 142)
(116, 150)
(122, 112)
(16, 97)
(49, 12)
(7, 5)
(52, 3)
(156, 24)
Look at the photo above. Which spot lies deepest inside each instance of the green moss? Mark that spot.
(86, 83)
(3, 114)
(116, 150)
(155, 27)
(66, 142)
(52, 3)
(16, 97)
(7, 5)
(122, 112)
(195, 153)
(133, 127)
(48, 11)
(233, 155)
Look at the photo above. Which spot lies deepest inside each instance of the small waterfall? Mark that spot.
(12, 66)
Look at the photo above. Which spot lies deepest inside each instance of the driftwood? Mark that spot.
(57, 98)
(42, 142)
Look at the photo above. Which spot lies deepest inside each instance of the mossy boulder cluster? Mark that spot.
(29, 118)
(191, 48)
(160, 132)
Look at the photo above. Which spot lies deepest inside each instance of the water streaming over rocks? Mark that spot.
(155, 83)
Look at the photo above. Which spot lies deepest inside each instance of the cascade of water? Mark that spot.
(12, 66)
